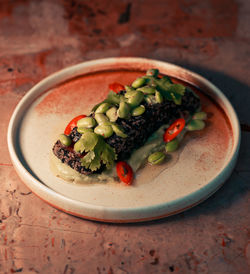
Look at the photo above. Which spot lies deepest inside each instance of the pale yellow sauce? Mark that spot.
(69, 174)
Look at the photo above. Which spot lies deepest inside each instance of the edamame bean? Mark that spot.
(195, 125)
(158, 97)
(102, 108)
(123, 111)
(83, 130)
(156, 158)
(102, 119)
(150, 99)
(138, 110)
(113, 98)
(79, 146)
(130, 93)
(129, 88)
(65, 140)
(97, 105)
(135, 99)
(138, 82)
(152, 72)
(172, 145)
(104, 130)
(87, 122)
(200, 116)
(118, 131)
(112, 114)
(147, 90)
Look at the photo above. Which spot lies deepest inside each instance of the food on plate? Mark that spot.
(137, 122)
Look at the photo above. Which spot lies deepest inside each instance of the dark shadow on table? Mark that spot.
(237, 92)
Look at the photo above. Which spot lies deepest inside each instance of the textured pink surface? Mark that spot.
(40, 37)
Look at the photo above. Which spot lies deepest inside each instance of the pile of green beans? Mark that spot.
(130, 103)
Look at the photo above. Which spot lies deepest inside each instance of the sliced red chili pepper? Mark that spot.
(116, 87)
(174, 130)
(124, 172)
(72, 124)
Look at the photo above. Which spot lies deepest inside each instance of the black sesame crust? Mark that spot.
(68, 156)
(137, 128)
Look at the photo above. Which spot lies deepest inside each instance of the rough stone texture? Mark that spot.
(210, 37)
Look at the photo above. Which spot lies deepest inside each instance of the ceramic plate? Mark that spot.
(202, 164)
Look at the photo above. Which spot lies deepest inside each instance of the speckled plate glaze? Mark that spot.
(203, 163)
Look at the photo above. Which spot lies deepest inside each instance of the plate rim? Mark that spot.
(110, 214)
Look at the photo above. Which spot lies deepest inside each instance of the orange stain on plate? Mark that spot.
(80, 94)
(69, 96)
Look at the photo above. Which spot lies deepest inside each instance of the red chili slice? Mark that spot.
(124, 172)
(174, 130)
(116, 87)
(72, 124)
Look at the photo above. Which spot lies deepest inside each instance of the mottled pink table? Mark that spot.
(209, 37)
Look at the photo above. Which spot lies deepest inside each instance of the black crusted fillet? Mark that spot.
(137, 128)
(68, 156)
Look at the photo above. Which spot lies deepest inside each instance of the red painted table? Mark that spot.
(209, 37)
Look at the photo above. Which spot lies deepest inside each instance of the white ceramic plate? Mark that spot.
(197, 170)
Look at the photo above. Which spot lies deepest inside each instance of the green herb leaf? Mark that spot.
(100, 153)
(108, 156)
(89, 141)
(177, 88)
(95, 163)
(166, 94)
(89, 157)
(165, 79)
(91, 160)
(163, 84)
(176, 98)
(171, 92)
